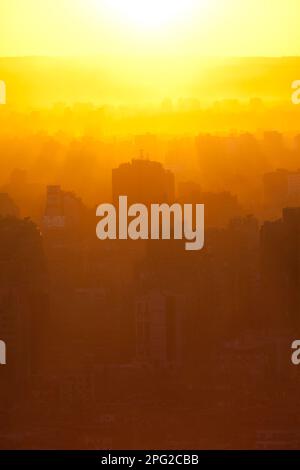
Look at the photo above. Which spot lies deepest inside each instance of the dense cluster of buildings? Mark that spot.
(124, 343)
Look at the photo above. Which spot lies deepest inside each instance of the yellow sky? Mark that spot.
(115, 28)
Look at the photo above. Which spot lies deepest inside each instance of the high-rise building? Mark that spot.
(63, 209)
(280, 257)
(281, 189)
(7, 206)
(143, 181)
(64, 226)
(158, 329)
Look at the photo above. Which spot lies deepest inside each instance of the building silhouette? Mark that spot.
(280, 258)
(63, 209)
(281, 189)
(7, 206)
(143, 181)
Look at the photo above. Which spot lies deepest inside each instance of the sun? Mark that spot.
(151, 14)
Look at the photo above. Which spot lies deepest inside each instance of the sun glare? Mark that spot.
(151, 14)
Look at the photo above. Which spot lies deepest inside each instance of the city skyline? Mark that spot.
(149, 225)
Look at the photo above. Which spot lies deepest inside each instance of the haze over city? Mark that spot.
(139, 343)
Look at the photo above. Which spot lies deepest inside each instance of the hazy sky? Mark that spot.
(124, 28)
